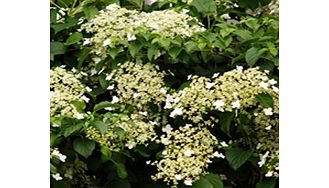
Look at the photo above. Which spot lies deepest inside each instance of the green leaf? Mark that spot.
(228, 40)
(120, 132)
(202, 183)
(121, 170)
(137, 3)
(69, 128)
(265, 100)
(267, 183)
(53, 16)
(191, 46)
(70, 22)
(83, 54)
(84, 146)
(219, 43)
(207, 7)
(209, 36)
(151, 52)
(252, 56)
(174, 52)
(252, 23)
(134, 47)
(53, 169)
(252, 4)
(225, 120)
(74, 38)
(237, 157)
(101, 126)
(215, 180)
(102, 105)
(106, 154)
(79, 105)
(244, 34)
(103, 82)
(114, 52)
(90, 11)
(57, 48)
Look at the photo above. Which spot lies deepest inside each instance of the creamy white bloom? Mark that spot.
(110, 87)
(153, 25)
(268, 127)
(177, 111)
(109, 77)
(269, 174)
(218, 155)
(88, 89)
(215, 75)
(167, 129)
(112, 6)
(115, 99)
(131, 37)
(268, 111)
(208, 161)
(79, 116)
(108, 108)
(86, 99)
(189, 77)
(97, 59)
(272, 82)
(148, 162)
(163, 91)
(86, 41)
(188, 182)
(165, 141)
(164, 152)
(263, 85)
(130, 145)
(218, 104)
(106, 42)
(143, 113)
(236, 104)
(188, 152)
(209, 85)
(223, 143)
(185, 11)
(55, 125)
(275, 89)
(57, 176)
(153, 123)
(239, 68)
(135, 95)
(150, 2)
(178, 177)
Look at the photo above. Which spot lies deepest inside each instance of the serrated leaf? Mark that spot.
(53, 16)
(214, 180)
(191, 46)
(70, 22)
(174, 52)
(83, 54)
(101, 126)
(227, 41)
(134, 47)
(57, 48)
(114, 52)
(266, 183)
(202, 183)
(53, 169)
(79, 106)
(151, 52)
(225, 120)
(209, 36)
(252, 56)
(121, 170)
(103, 82)
(53, 138)
(244, 34)
(74, 38)
(207, 7)
(265, 100)
(90, 11)
(106, 154)
(102, 105)
(84, 146)
(119, 132)
(69, 128)
(237, 157)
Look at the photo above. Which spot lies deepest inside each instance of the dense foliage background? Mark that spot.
(134, 83)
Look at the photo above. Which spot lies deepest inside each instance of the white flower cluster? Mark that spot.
(267, 136)
(139, 84)
(65, 88)
(76, 174)
(233, 90)
(125, 132)
(116, 26)
(55, 153)
(186, 155)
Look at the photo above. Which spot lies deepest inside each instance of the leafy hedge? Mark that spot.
(164, 93)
